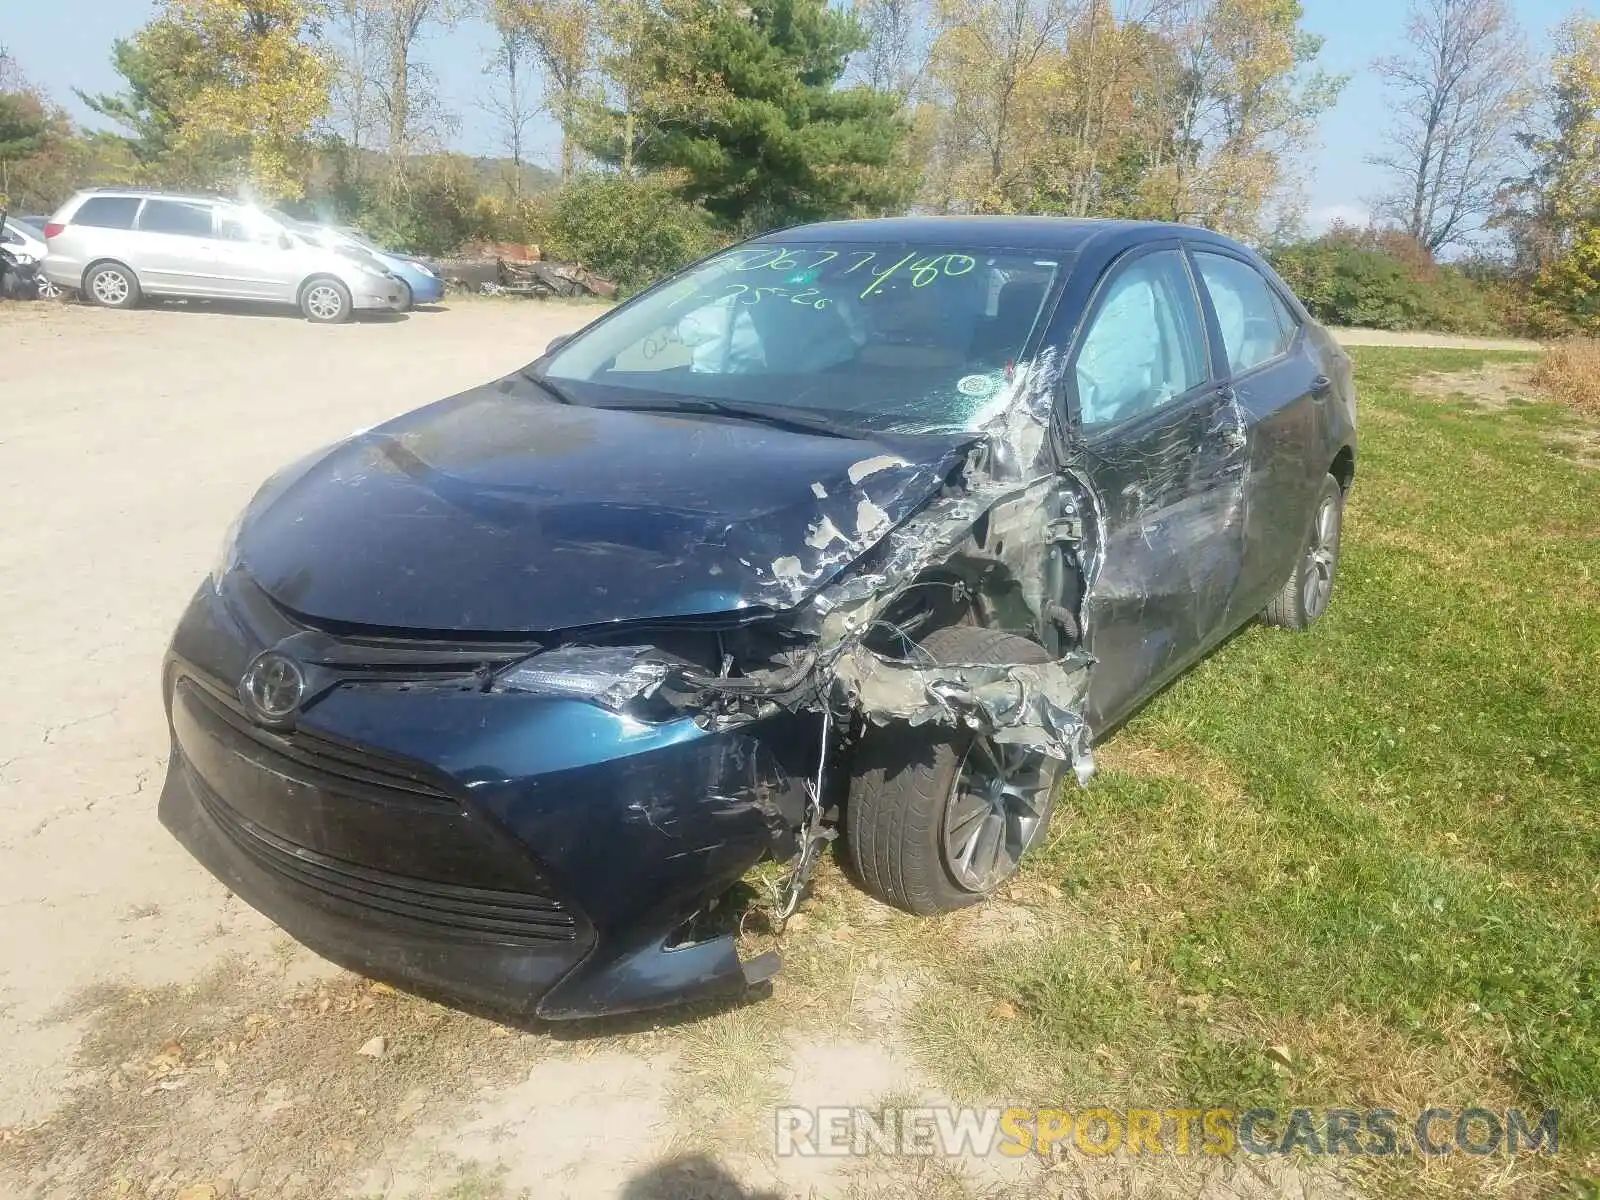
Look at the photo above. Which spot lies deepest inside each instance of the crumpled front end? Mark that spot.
(525, 855)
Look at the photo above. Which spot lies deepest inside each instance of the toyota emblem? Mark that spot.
(273, 686)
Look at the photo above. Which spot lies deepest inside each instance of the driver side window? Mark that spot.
(1145, 345)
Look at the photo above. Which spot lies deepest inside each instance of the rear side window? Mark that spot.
(1256, 325)
(176, 216)
(107, 212)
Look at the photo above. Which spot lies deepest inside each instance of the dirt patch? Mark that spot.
(1582, 446)
(235, 1083)
(1490, 388)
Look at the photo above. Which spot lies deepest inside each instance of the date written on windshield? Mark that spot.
(921, 269)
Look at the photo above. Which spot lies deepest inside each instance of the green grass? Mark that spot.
(1377, 845)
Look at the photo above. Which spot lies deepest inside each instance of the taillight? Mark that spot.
(53, 229)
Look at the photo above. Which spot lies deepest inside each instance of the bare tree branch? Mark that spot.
(1455, 95)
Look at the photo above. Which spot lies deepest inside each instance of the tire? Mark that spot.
(407, 298)
(325, 301)
(910, 784)
(1309, 589)
(47, 290)
(111, 285)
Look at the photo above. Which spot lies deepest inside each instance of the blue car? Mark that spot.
(425, 285)
(869, 528)
(422, 284)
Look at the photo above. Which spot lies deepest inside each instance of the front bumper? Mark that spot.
(507, 853)
(373, 296)
(428, 289)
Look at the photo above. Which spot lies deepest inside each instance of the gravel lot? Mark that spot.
(127, 443)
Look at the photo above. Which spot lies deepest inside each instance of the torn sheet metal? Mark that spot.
(996, 524)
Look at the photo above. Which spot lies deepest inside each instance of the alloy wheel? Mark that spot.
(1322, 555)
(1000, 802)
(111, 288)
(324, 302)
(47, 290)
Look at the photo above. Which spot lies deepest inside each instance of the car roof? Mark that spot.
(1065, 234)
(145, 193)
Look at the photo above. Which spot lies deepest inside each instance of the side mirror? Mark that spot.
(557, 342)
(285, 242)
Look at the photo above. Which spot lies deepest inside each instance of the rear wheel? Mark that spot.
(1306, 593)
(939, 818)
(111, 285)
(325, 301)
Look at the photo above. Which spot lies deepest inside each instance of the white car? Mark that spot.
(27, 245)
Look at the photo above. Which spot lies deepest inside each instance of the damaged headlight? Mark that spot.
(610, 676)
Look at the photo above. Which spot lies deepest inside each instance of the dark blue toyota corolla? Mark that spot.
(868, 528)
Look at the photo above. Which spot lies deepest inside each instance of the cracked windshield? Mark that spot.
(886, 337)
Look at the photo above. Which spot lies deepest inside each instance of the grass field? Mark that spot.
(1359, 868)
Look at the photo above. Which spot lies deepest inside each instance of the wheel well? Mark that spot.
(83, 281)
(1344, 468)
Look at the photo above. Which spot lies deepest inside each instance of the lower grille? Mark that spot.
(477, 913)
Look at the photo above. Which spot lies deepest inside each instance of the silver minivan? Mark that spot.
(115, 245)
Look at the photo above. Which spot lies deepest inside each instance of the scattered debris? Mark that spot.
(542, 280)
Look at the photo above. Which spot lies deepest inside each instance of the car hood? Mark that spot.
(498, 511)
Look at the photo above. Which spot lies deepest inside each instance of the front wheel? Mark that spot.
(47, 290)
(325, 301)
(1306, 593)
(939, 818)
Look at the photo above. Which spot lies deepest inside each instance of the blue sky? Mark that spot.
(66, 43)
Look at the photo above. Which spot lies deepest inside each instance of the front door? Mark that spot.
(256, 257)
(1166, 455)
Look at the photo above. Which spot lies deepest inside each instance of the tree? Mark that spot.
(255, 79)
(993, 61)
(559, 35)
(742, 105)
(1454, 96)
(150, 63)
(1240, 101)
(218, 88)
(25, 130)
(1552, 213)
(352, 35)
(403, 23)
(512, 101)
(898, 44)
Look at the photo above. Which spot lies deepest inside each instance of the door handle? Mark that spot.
(1321, 385)
(1226, 392)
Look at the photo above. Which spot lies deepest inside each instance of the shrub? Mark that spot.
(1378, 280)
(1570, 372)
(631, 230)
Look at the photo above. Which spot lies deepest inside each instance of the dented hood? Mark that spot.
(498, 511)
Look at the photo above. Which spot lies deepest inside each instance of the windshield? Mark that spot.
(880, 335)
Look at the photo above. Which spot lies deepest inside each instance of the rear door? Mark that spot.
(173, 252)
(1276, 380)
(1165, 456)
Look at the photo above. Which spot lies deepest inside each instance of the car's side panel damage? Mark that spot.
(1017, 538)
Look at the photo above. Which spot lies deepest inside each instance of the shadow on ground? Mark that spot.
(691, 1177)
